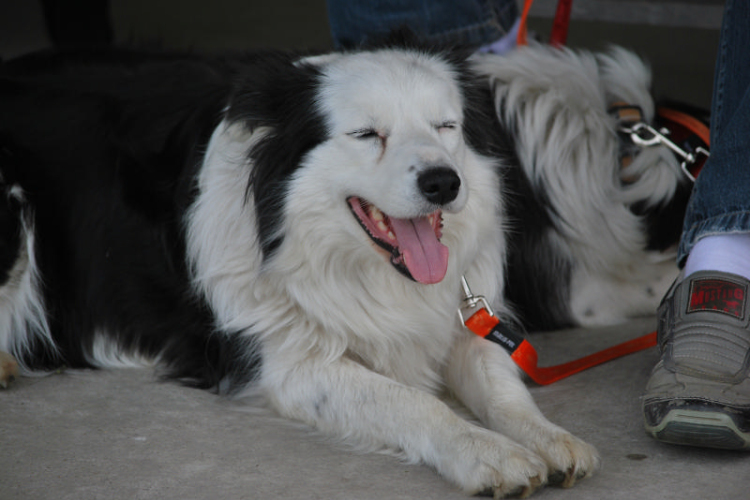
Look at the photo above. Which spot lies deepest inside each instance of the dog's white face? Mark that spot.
(395, 151)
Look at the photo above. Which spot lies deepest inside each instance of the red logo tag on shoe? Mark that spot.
(711, 294)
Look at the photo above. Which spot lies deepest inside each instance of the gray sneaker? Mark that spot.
(699, 392)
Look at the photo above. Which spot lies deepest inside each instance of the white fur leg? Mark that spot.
(344, 399)
(602, 298)
(485, 378)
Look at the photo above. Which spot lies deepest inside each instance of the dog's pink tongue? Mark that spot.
(424, 256)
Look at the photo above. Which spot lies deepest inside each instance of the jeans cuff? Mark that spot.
(729, 223)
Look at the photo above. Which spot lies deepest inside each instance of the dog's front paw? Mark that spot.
(487, 463)
(567, 457)
(8, 369)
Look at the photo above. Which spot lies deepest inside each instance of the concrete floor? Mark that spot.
(123, 435)
(85, 435)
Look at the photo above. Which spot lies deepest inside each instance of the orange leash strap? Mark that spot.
(521, 38)
(486, 325)
(559, 34)
(525, 356)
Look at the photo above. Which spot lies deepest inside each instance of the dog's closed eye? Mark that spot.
(365, 133)
(368, 134)
(446, 125)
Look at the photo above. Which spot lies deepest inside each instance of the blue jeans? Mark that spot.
(473, 22)
(720, 203)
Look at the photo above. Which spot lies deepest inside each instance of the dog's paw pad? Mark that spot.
(8, 369)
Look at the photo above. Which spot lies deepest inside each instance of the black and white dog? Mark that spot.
(592, 237)
(297, 228)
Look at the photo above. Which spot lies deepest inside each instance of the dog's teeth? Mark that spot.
(391, 236)
(381, 225)
(376, 214)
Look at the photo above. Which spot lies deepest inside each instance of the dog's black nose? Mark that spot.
(439, 185)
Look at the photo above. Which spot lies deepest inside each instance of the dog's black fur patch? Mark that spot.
(106, 150)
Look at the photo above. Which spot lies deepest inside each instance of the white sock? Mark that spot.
(728, 253)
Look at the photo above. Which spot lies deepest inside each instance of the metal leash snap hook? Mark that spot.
(644, 135)
(685, 164)
(471, 301)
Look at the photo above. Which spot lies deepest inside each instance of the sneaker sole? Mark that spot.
(700, 428)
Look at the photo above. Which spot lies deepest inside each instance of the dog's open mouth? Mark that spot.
(414, 244)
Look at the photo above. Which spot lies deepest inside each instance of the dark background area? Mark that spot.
(678, 39)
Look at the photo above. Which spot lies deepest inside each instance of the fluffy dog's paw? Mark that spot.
(567, 457)
(8, 369)
(490, 464)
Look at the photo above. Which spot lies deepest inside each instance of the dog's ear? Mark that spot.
(277, 92)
